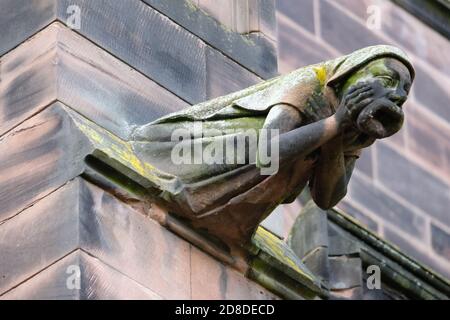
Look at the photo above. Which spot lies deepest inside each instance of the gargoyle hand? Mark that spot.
(354, 101)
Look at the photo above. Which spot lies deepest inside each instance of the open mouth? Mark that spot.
(389, 115)
(381, 120)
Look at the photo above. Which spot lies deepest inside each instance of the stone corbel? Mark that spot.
(111, 163)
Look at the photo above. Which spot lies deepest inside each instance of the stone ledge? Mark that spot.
(340, 250)
(400, 271)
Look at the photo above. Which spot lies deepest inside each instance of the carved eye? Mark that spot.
(387, 81)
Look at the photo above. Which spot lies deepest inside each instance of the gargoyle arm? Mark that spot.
(334, 168)
(297, 141)
(332, 173)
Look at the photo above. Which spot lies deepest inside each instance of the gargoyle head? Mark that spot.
(391, 81)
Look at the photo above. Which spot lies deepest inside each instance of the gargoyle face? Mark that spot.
(391, 82)
(389, 76)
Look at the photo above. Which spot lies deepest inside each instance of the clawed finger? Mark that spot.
(356, 87)
(354, 112)
(358, 92)
(359, 97)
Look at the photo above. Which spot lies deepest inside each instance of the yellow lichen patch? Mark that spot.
(275, 247)
(321, 74)
(125, 153)
(115, 148)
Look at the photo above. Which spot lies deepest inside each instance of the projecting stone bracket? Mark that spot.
(59, 145)
(267, 259)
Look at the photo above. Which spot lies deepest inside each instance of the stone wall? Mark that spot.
(116, 64)
(129, 62)
(120, 253)
(401, 188)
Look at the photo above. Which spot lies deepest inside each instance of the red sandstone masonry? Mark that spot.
(212, 280)
(404, 29)
(243, 16)
(427, 139)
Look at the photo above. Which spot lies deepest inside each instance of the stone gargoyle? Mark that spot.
(311, 124)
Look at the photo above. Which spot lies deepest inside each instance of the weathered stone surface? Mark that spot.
(243, 16)
(355, 293)
(187, 77)
(432, 91)
(51, 223)
(296, 49)
(440, 240)
(350, 209)
(225, 76)
(281, 220)
(375, 294)
(80, 215)
(399, 139)
(39, 156)
(275, 222)
(410, 248)
(274, 256)
(426, 44)
(427, 139)
(303, 13)
(447, 159)
(134, 244)
(345, 272)
(212, 280)
(435, 13)
(340, 243)
(318, 263)
(96, 281)
(310, 231)
(411, 182)
(357, 7)
(58, 64)
(23, 18)
(138, 35)
(29, 82)
(221, 11)
(252, 51)
(267, 21)
(369, 195)
(182, 69)
(343, 33)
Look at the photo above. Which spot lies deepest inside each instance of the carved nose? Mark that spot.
(398, 99)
